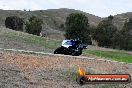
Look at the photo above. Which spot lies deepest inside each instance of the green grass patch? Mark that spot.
(112, 55)
(33, 39)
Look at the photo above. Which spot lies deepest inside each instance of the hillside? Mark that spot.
(27, 69)
(120, 19)
(19, 40)
(51, 17)
(61, 14)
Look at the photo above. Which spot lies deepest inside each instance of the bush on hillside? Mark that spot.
(105, 33)
(15, 23)
(124, 37)
(34, 25)
(77, 26)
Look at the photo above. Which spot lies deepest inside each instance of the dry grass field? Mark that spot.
(18, 70)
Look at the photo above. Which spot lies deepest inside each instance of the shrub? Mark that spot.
(34, 25)
(105, 33)
(15, 23)
(77, 26)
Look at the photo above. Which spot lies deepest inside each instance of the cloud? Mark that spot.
(19, 4)
(98, 7)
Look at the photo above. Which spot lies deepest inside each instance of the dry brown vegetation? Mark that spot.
(53, 71)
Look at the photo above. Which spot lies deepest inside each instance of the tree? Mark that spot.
(125, 36)
(105, 32)
(110, 18)
(76, 26)
(15, 23)
(34, 25)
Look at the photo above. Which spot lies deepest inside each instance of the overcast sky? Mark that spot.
(100, 8)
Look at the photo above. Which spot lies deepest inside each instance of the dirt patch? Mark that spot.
(53, 71)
